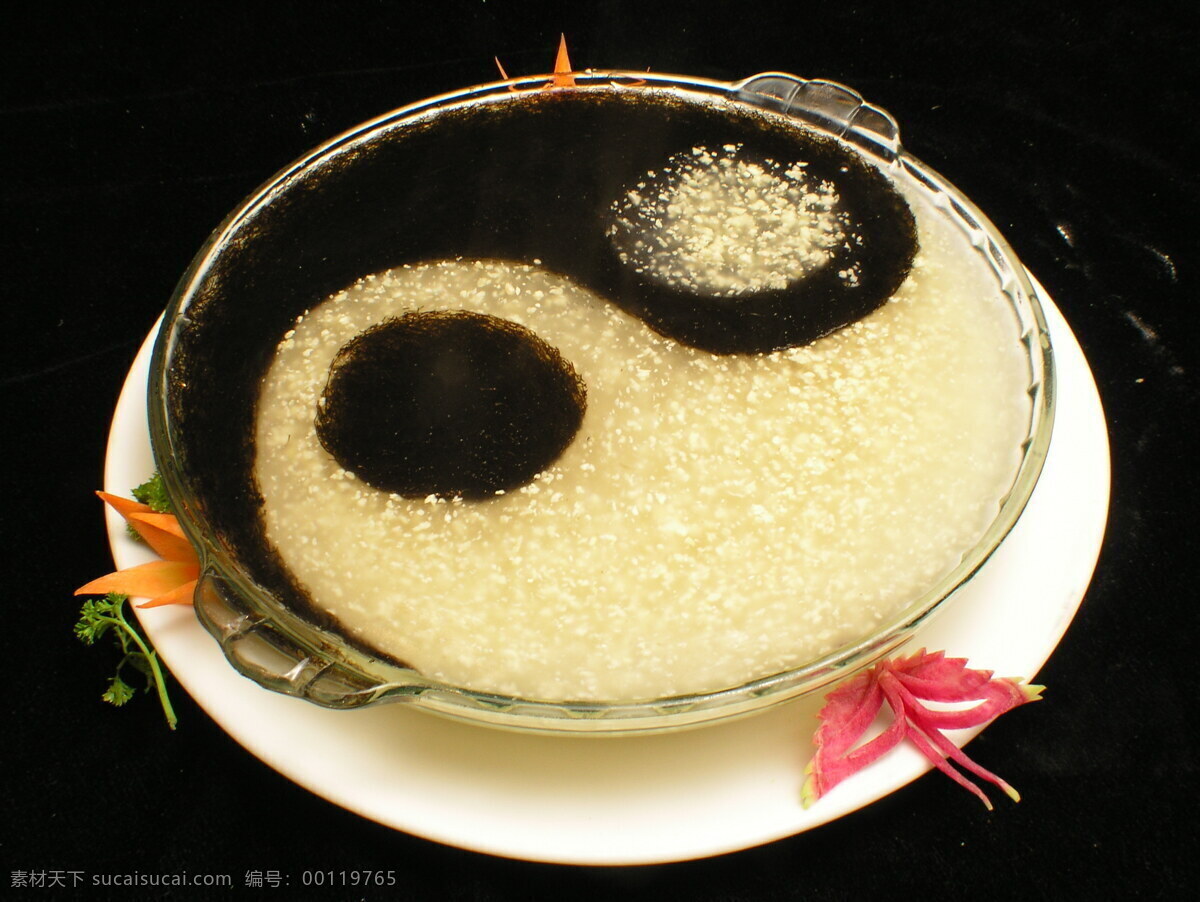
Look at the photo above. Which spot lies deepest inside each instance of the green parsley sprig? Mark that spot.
(152, 494)
(107, 615)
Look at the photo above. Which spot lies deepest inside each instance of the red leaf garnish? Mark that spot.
(904, 682)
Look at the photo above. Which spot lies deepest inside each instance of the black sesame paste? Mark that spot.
(453, 404)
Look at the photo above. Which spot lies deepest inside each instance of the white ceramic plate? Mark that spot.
(640, 799)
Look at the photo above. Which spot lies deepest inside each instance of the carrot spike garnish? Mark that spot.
(125, 506)
(179, 595)
(905, 684)
(149, 580)
(160, 531)
(163, 533)
(562, 76)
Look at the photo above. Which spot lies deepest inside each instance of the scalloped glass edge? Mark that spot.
(268, 643)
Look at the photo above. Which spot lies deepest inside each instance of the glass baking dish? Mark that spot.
(312, 229)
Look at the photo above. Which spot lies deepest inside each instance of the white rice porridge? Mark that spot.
(716, 518)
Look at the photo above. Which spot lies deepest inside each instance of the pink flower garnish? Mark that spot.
(903, 682)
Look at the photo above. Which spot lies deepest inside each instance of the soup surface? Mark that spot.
(714, 519)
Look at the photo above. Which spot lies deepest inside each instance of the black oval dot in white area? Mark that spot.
(449, 403)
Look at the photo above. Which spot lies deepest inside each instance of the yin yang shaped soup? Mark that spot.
(620, 407)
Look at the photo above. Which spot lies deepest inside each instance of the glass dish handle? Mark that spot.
(257, 649)
(828, 104)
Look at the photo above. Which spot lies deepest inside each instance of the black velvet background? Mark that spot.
(128, 134)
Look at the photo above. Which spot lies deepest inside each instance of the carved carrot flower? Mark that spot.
(904, 683)
(171, 580)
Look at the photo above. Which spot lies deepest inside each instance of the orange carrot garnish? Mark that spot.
(169, 581)
(149, 580)
(179, 595)
(563, 75)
